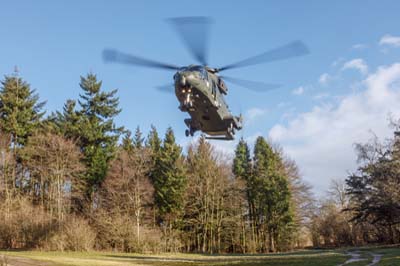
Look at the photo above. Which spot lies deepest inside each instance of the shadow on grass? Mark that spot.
(314, 257)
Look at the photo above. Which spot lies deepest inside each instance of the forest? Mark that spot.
(74, 180)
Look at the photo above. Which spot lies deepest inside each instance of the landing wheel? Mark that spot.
(231, 130)
(189, 132)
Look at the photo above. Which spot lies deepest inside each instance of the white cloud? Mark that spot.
(283, 104)
(321, 96)
(358, 64)
(254, 113)
(298, 91)
(321, 141)
(359, 46)
(324, 78)
(390, 40)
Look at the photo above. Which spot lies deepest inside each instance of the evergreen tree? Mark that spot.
(153, 143)
(93, 127)
(98, 133)
(153, 140)
(169, 179)
(127, 142)
(20, 109)
(68, 122)
(272, 194)
(242, 161)
(242, 169)
(138, 140)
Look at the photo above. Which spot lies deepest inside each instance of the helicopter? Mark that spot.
(199, 88)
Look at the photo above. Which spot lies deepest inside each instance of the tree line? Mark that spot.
(74, 180)
(365, 207)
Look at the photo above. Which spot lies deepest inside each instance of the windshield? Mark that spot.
(200, 69)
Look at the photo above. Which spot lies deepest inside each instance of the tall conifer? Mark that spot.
(169, 179)
(20, 109)
(272, 192)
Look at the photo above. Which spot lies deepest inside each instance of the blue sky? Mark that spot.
(354, 47)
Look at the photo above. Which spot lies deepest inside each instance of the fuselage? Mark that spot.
(200, 93)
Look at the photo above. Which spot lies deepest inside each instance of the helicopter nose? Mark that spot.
(182, 81)
(185, 79)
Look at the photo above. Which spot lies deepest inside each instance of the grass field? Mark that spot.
(390, 257)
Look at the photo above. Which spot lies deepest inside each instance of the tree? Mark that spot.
(127, 190)
(20, 109)
(138, 140)
(93, 127)
(127, 142)
(209, 195)
(272, 194)
(302, 202)
(242, 161)
(373, 189)
(153, 141)
(54, 169)
(68, 122)
(242, 169)
(169, 183)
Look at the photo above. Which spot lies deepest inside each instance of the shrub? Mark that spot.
(75, 234)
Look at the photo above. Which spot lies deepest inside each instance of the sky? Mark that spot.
(345, 91)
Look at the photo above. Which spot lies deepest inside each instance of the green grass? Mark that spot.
(390, 257)
(306, 258)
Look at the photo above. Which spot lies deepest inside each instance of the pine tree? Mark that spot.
(242, 169)
(92, 127)
(98, 133)
(20, 109)
(153, 140)
(272, 194)
(127, 142)
(169, 179)
(153, 143)
(242, 161)
(138, 140)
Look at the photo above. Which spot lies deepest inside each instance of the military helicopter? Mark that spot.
(199, 88)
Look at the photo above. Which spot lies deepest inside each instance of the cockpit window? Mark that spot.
(200, 69)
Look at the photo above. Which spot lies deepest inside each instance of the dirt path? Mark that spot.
(376, 259)
(356, 256)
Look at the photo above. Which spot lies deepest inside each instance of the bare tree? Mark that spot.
(127, 188)
(54, 169)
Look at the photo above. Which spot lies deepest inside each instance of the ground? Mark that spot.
(351, 257)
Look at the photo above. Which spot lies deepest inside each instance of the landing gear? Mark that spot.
(189, 132)
(192, 127)
(231, 130)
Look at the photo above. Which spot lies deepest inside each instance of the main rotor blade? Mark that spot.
(168, 88)
(252, 85)
(293, 49)
(114, 56)
(194, 31)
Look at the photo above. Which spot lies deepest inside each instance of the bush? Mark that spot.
(74, 235)
(24, 225)
(118, 232)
